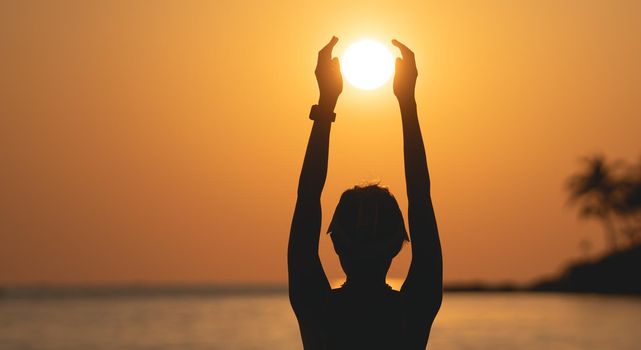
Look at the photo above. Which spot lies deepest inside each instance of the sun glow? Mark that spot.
(367, 64)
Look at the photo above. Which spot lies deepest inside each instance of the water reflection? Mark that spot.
(467, 321)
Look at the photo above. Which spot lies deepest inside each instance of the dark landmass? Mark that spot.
(615, 273)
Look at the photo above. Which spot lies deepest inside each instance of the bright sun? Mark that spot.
(367, 64)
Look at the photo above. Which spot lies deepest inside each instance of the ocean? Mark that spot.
(243, 321)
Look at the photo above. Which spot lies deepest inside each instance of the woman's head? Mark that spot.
(367, 226)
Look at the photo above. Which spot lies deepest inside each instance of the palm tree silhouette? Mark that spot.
(629, 207)
(595, 190)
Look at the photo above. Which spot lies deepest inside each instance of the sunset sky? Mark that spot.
(162, 141)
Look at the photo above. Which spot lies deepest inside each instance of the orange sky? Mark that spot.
(162, 142)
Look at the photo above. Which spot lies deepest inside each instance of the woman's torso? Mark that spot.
(358, 319)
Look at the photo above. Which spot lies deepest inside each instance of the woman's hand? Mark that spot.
(406, 73)
(328, 76)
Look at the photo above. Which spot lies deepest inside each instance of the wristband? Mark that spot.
(317, 113)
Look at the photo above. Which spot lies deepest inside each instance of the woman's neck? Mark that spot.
(366, 281)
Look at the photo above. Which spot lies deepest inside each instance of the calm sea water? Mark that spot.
(466, 321)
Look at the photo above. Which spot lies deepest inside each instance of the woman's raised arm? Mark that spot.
(308, 285)
(423, 288)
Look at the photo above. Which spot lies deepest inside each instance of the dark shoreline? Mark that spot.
(138, 291)
(617, 273)
(207, 291)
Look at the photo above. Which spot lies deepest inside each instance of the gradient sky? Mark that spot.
(162, 141)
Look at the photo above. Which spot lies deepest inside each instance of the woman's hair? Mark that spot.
(368, 223)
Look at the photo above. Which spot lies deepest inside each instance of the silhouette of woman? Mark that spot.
(367, 231)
